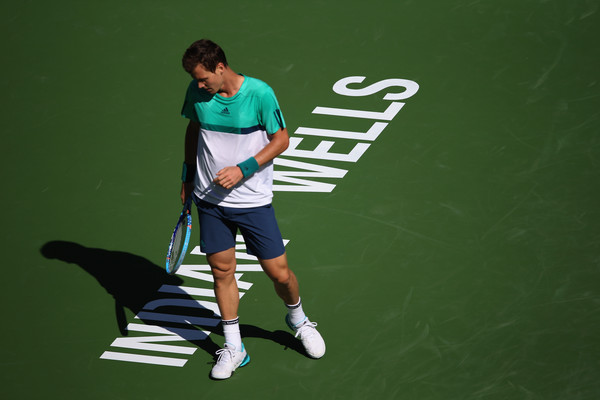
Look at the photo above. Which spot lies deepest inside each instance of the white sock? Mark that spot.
(231, 330)
(296, 313)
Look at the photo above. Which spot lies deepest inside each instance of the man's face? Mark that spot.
(212, 82)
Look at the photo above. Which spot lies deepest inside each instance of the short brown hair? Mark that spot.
(205, 52)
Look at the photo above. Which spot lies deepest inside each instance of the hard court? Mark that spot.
(446, 240)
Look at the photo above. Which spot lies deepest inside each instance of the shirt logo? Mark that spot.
(225, 111)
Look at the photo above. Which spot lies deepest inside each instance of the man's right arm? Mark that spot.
(191, 149)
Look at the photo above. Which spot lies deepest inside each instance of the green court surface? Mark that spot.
(448, 246)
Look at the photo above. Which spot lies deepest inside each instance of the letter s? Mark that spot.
(411, 87)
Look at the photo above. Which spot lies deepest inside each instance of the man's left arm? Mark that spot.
(279, 142)
(228, 177)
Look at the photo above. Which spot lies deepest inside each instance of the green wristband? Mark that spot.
(248, 167)
(188, 173)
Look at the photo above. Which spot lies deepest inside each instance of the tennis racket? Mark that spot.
(180, 239)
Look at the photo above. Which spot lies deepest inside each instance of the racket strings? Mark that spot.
(179, 240)
(177, 244)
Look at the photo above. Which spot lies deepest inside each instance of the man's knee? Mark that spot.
(282, 277)
(222, 265)
(277, 269)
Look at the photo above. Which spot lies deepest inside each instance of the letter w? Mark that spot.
(310, 171)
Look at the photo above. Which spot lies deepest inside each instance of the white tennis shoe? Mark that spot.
(312, 340)
(229, 360)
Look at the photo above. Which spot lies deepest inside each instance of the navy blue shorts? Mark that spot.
(258, 226)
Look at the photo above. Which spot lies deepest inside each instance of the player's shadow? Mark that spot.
(134, 281)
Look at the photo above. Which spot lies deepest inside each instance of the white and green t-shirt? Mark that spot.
(233, 129)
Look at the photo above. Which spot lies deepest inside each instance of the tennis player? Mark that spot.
(235, 130)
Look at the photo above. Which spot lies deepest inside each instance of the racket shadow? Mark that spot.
(132, 280)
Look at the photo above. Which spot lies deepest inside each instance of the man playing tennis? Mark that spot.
(235, 131)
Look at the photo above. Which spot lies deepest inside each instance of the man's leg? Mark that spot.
(233, 355)
(286, 287)
(223, 265)
(284, 280)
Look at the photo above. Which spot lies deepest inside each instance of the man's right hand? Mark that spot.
(186, 191)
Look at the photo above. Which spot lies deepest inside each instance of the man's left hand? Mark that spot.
(228, 177)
